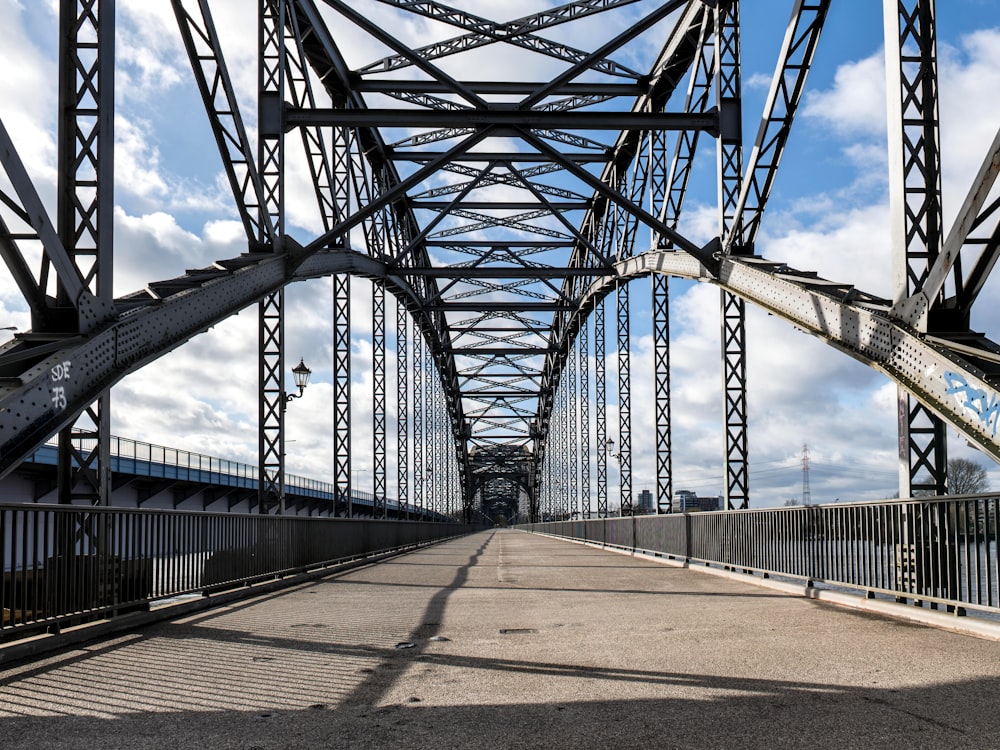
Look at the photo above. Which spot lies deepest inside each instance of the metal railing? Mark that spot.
(67, 563)
(942, 551)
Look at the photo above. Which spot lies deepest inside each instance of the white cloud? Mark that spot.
(28, 97)
(150, 54)
(848, 246)
(137, 160)
(155, 247)
(856, 103)
(969, 120)
(203, 395)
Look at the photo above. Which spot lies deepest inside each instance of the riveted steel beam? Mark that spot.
(503, 118)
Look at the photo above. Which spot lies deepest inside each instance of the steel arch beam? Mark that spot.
(947, 378)
(30, 409)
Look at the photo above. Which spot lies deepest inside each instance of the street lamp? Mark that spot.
(609, 446)
(301, 374)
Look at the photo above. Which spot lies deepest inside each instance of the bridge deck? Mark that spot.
(548, 644)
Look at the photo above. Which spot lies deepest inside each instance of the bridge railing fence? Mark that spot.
(940, 551)
(69, 563)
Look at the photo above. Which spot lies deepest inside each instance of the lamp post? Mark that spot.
(301, 374)
(427, 494)
(609, 446)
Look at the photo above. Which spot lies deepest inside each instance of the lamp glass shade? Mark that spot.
(301, 374)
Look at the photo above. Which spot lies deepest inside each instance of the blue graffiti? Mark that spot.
(976, 400)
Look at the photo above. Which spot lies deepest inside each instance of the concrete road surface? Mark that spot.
(508, 640)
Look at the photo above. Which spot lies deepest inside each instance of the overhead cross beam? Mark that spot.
(500, 214)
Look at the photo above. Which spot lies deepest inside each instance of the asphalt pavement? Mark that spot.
(508, 640)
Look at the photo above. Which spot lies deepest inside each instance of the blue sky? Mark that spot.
(828, 213)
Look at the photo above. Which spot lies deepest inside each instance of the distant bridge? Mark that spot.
(157, 477)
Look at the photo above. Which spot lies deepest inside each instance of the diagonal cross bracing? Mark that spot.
(501, 213)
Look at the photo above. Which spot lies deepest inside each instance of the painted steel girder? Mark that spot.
(504, 118)
(215, 85)
(680, 52)
(951, 386)
(28, 206)
(483, 32)
(62, 382)
(787, 90)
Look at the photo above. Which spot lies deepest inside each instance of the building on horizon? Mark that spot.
(686, 501)
(645, 502)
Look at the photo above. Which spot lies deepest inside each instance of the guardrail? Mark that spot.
(939, 551)
(67, 564)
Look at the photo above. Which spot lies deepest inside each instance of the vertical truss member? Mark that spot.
(402, 410)
(271, 309)
(552, 448)
(601, 399)
(624, 400)
(730, 151)
(259, 208)
(668, 188)
(418, 420)
(271, 403)
(378, 396)
(342, 176)
(85, 220)
(431, 467)
(545, 500)
(573, 435)
(445, 463)
(557, 456)
(564, 501)
(432, 423)
(342, 394)
(661, 394)
(584, 416)
(915, 202)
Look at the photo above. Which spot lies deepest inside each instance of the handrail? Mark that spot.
(63, 564)
(940, 551)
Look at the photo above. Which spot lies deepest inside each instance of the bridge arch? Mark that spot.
(449, 195)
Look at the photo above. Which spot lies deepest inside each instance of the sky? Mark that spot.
(828, 213)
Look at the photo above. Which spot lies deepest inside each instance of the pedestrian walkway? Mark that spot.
(508, 640)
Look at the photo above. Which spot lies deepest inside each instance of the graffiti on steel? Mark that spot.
(986, 406)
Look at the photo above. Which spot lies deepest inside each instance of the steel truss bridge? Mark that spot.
(506, 211)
